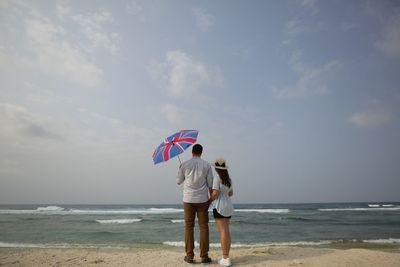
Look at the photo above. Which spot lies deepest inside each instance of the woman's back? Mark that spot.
(223, 203)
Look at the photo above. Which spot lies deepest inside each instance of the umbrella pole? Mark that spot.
(180, 162)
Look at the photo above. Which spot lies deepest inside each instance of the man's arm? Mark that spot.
(181, 176)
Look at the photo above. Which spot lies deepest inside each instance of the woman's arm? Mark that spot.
(214, 195)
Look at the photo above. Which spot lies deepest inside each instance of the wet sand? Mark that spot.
(260, 256)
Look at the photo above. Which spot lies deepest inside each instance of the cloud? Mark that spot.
(390, 43)
(61, 43)
(16, 120)
(371, 118)
(204, 20)
(312, 81)
(134, 7)
(310, 4)
(184, 76)
(172, 113)
(92, 26)
(296, 26)
(55, 55)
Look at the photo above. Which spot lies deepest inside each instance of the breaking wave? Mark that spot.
(119, 221)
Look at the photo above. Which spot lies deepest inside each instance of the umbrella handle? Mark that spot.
(180, 162)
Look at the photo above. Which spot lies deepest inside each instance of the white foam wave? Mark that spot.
(264, 210)
(50, 208)
(383, 241)
(248, 245)
(40, 210)
(55, 210)
(165, 210)
(127, 211)
(20, 245)
(292, 243)
(57, 245)
(178, 221)
(380, 205)
(19, 212)
(119, 221)
(363, 209)
(182, 221)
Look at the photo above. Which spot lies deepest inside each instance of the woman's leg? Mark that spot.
(219, 223)
(225, 238)
(228, 238)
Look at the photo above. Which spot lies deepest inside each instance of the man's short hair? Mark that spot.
(197, 149)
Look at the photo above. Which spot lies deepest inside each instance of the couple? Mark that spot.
(201, 190)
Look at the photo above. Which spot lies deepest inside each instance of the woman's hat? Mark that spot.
(220, 163)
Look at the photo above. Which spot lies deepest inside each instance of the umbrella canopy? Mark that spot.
(174, 145)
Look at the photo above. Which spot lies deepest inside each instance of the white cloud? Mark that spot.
(310, 4)
(94, 135)
(17, 121)
(296, 26)
(172, 113)
(134, 7)
(390, 44)
(185, 76)
(62, 47)
(312, 81)
(371, 118)
(92, 26)
(55, 55)
(204, 20)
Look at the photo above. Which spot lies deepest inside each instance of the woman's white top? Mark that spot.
(223, 203)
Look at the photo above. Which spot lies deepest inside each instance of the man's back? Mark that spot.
(197, 176)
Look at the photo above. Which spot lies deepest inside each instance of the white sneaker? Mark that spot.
(224, 262)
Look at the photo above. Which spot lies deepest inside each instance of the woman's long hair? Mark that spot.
(224, 175)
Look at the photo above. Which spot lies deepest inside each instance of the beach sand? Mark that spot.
(260, 256)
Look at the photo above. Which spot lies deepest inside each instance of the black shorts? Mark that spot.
(219, 216)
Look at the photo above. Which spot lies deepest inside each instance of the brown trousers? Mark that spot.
(190, 210)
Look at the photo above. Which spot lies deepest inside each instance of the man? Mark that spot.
(197, 178)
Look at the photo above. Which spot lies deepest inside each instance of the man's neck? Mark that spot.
(196, 156)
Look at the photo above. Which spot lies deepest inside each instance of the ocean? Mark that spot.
(127, 226)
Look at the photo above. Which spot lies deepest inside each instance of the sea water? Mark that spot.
(126, 226)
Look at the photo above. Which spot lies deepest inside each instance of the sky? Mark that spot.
(301, 98)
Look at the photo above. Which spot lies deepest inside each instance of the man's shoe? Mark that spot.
(206, 260)
(188, 260)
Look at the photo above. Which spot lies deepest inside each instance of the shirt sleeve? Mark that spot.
(216, 183)
(210, 177)
(181, 176)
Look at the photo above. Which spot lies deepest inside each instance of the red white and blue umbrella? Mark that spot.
(174, 145)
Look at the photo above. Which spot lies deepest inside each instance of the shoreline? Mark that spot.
(374, 244)
(173, 256)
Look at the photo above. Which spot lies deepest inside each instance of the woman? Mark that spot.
(222, 207)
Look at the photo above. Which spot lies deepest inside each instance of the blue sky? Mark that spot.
(301, 97)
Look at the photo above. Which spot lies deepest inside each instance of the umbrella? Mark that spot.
(174, 145)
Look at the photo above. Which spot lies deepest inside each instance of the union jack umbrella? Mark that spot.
(174, 145)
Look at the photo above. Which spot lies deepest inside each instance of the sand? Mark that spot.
(261, 256)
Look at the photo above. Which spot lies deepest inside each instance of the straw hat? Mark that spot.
(220, 163)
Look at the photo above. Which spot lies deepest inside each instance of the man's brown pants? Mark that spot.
(190, 210)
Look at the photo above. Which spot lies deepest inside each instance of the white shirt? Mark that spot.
(197, 176)
(223, 203)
